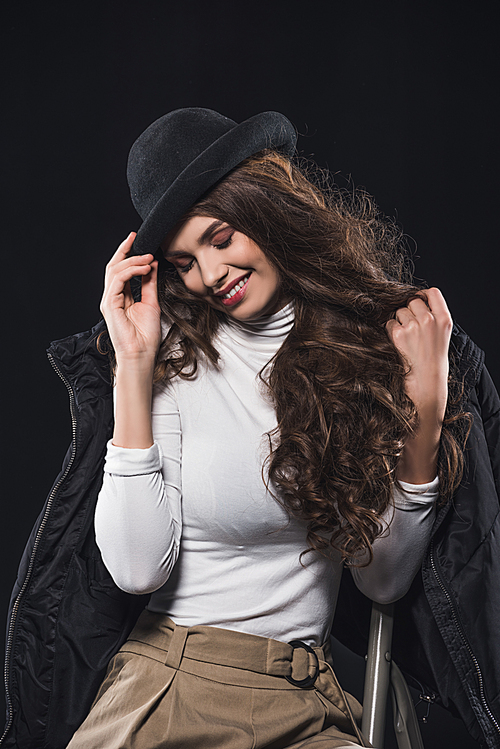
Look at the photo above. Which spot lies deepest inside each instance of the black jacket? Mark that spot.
(67, 617)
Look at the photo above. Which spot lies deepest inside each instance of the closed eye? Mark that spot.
(185, 268)
(218, 246)
(225, 244)
(181, 263)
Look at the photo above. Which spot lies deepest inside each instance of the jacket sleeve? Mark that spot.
(399, 550)
(138, 518)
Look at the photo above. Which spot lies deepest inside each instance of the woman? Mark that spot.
(287, 418)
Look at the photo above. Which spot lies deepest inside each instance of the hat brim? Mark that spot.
(265, 130)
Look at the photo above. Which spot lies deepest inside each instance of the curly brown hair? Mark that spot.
(337, 382)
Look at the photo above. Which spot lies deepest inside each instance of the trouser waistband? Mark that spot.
(301, 665)
(226, 647)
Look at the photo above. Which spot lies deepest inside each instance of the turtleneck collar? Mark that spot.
(272, 329)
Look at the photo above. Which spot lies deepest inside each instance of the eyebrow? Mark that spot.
(210, 231)
(207, 235)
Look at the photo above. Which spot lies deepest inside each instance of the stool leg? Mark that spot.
(377, 675)
(405, 718)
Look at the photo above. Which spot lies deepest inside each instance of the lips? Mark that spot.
(238, 296)
(231, 285)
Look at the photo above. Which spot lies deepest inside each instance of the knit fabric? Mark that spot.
(190, 519)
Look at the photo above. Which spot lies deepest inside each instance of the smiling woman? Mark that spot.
(225, 268)
(275, 299)
(284, 406)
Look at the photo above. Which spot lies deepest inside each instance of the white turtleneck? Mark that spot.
(191, 520)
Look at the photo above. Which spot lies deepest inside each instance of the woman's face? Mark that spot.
(225, 268)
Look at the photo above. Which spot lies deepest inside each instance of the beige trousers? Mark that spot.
(173, 687)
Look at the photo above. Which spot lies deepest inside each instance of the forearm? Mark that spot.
(418, 462)
(133, 394)
(135, 332)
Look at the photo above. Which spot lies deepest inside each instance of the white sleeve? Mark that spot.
(138, 519)
(399, 550)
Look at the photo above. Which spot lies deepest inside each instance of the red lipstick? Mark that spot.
(228, 288)
(239, 294)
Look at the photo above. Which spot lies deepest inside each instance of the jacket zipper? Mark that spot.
(458, 625)
(36, 544)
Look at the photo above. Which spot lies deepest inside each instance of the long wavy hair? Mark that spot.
(337, 382)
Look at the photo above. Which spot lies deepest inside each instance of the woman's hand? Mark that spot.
(421, 332)
(134, 328)
(135, 332)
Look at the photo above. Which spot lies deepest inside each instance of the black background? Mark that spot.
(399, 96)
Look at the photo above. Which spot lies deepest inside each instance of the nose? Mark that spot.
(213, 270)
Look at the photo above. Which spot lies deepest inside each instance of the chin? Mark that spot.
(255, 312)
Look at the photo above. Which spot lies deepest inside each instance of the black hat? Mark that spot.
(183, 154)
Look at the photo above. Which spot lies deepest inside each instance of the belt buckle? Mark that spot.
(309, 680)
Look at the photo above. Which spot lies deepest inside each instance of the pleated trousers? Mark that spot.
(174, 687)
